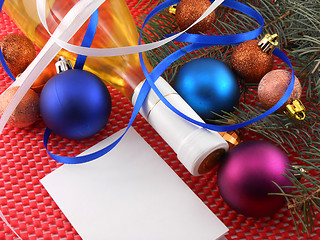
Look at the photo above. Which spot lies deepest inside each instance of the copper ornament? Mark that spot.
(18, 51)
(249, 61)
(188, 11)
(27, 111)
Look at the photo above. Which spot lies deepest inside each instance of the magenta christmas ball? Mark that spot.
(248, 175)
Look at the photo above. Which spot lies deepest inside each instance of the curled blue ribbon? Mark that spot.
(200, 41)
(197, 41)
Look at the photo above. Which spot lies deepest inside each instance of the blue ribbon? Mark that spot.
(197, 41)
(153, 76)
(212, 40)
(201, 41)
(88, 38)
(5, 66)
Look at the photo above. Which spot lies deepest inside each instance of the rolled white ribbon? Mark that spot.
(69, 25)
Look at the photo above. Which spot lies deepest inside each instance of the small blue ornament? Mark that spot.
(208, 86)
(75, 104)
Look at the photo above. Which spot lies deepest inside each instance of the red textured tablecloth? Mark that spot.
(34, 215)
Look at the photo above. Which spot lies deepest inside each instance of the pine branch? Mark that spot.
(316, 67)
(307, 202)
(288, 13)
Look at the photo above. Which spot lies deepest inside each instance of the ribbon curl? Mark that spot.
(69, 25)
(200, 41)
(197, 42)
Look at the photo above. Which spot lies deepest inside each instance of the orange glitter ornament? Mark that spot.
(188, 11)
(26, 113)
(18, 51)
(251, 60)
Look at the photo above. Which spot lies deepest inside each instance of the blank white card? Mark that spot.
(130, 194)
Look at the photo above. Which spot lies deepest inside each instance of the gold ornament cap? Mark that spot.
(296, 110)
(300, 172)
(268, 43)
(173, 9)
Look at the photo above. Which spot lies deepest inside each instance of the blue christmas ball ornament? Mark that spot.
(208, 86)
(75, 104)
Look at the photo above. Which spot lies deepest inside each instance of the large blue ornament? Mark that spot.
(75, 104)
(208, 86)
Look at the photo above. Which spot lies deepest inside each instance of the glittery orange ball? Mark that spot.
(188, 11)
(274, 84)
(27, 111)
(18, 51)
(250, 63)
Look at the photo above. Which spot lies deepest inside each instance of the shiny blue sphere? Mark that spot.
(208, 86)
(75, 104)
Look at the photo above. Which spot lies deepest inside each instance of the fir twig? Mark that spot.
(288, 13)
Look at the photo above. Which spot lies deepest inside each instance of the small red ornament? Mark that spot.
(274, 84)
(251, 60)
(188, 11)
(18, 51)
(27, 111)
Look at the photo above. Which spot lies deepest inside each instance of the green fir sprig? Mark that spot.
(297, 22)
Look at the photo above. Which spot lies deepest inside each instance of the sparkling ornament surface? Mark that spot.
(208, 86)
(249, 62)
(18, 51)
(27, 111)
(246, 177)
(274, 84)
(75, 104)
(188, 11)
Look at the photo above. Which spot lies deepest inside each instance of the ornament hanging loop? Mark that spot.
(268, 43)
(63, 65)
(296, 110)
